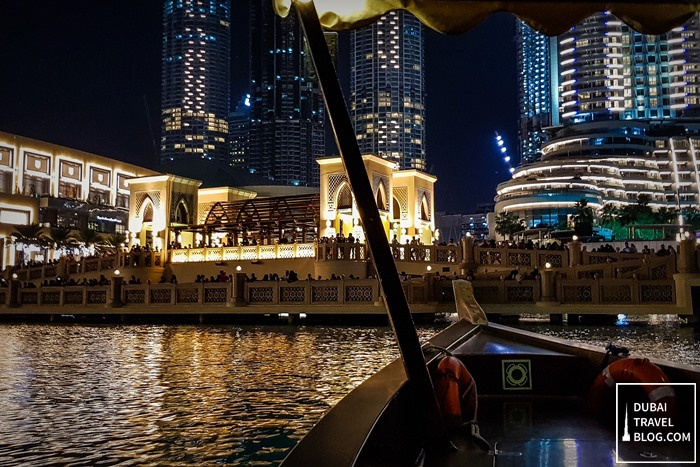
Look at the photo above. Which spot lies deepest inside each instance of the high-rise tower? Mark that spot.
(287, 114)
(536, 95)
(387, 89)
(608, 71)
(195, 80)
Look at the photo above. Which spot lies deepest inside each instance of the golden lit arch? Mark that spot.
(424, 209)
(147, 211)
(344, 200)
(381, 196)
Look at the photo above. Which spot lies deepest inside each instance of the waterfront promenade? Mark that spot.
(337, 279)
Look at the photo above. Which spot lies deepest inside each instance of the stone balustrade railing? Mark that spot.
(601, 291)
(244, 253)
(513, 258)
(616, 292)
(352, 291)
(427, 253)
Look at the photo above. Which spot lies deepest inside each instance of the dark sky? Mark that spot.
(86, 75)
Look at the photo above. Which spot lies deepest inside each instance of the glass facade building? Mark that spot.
(536, 96)
(387, 89)
(195, 80)
(287, 131)
(623, 123)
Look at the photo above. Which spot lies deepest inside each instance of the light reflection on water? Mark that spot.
(175, 395)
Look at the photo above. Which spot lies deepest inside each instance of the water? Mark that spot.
(177, 395)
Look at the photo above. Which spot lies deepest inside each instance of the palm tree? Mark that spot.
(507, 223)
(665, 216)
(60, 236)
(583, 218)
(88, 237)
(637, 213)
(608, 214)
(32, 234)
(115, 241)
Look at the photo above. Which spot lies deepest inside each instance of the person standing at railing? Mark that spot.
(395, 247)
(351, 242)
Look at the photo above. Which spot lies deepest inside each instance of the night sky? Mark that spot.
(86, 75)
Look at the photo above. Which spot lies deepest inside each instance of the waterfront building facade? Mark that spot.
(387, 89)
(195, 80)
(287, 131)
(405, 198)
(622, 98)
(606, 162)
(52, 185)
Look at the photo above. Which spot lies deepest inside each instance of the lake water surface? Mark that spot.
(205, 395)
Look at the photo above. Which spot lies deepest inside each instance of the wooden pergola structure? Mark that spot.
(279, 219)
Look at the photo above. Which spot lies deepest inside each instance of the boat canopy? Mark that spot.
(551, 17)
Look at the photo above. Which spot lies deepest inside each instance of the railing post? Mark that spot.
(116, 291)
(239, 298)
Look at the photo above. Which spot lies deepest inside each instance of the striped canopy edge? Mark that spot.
(551, 17)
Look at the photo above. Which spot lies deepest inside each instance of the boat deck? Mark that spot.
(532, 433)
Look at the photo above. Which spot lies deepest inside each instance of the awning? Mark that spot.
(551, 17)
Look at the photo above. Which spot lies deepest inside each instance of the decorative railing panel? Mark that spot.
(520, 258)
(266, 252)
(213, 254)
(557, 259)
(187, 295)
(657, 292)
(28, 297)
(487, 292)
(324, 294)
(260, 294)
(616, 293)
(135, 296)
(285, 251)
(520, 294)
(292, 294)
(161, 296)
(577, 294)
(51, 297)
(232, 254)
(359, 293)
(96, 296)
(305, 250)
(215, 294)
(74, 296)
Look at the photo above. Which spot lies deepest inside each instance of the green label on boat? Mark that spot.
(516, 374)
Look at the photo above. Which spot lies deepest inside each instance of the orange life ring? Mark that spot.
(456, 392)
(633, 370)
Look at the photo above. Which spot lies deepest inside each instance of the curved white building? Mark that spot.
(606, 162)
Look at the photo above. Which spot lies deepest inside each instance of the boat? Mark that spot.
(539, 403)
(479, 393)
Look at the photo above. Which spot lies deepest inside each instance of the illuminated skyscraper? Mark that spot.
(608, 71)
(195, 80)
(287, 114)
(628, 106)
(536, 95)
(387, 89)
(239, 133)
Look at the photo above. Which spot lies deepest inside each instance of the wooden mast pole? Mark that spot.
(396, 303)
